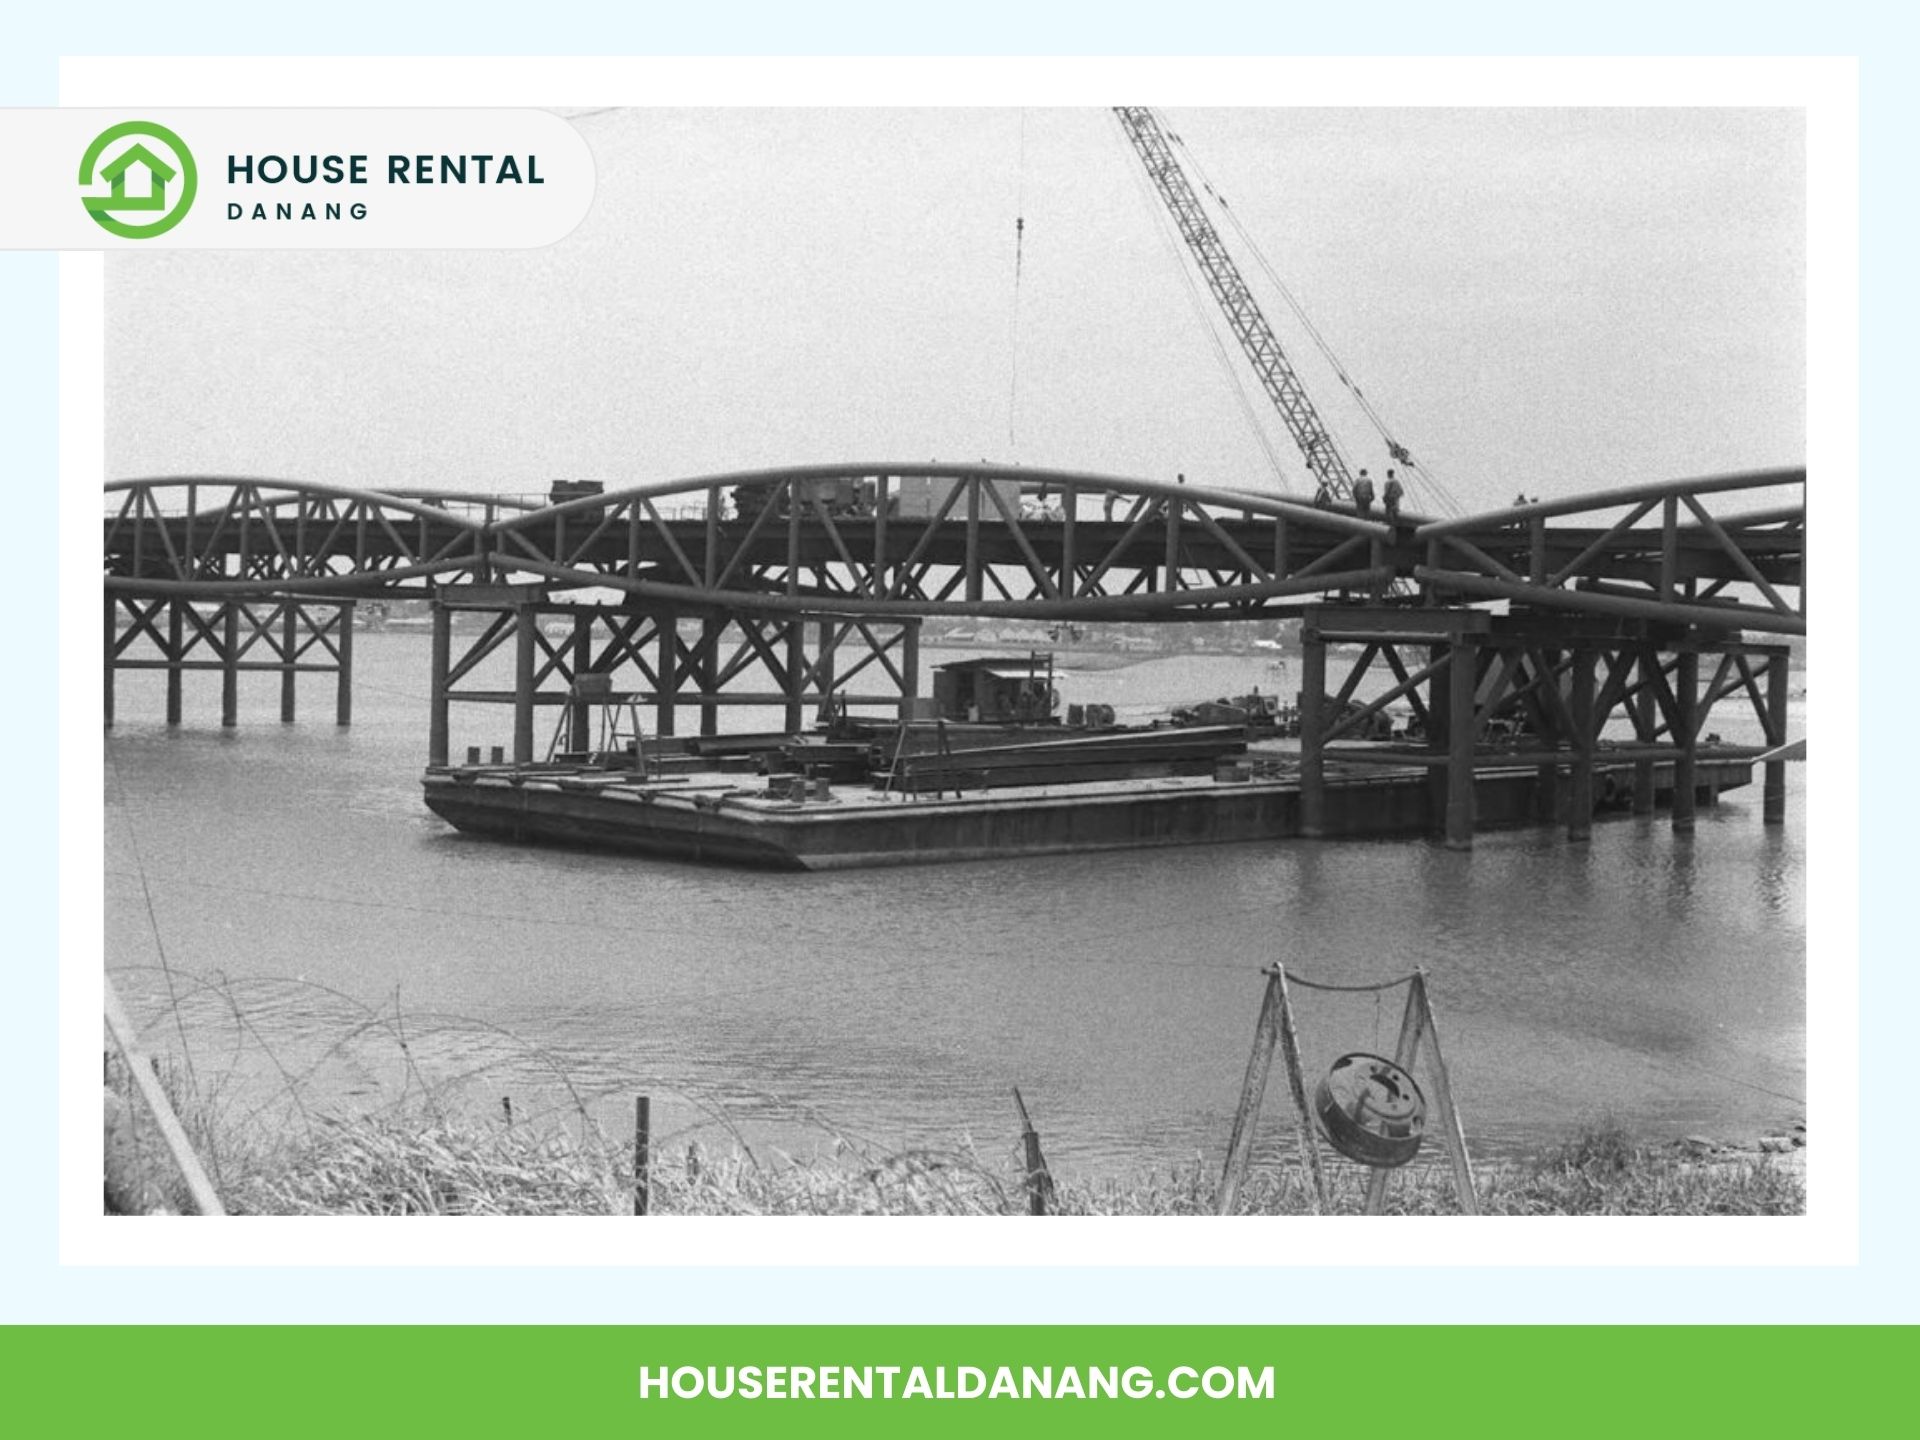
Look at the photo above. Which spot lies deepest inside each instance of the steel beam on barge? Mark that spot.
(1524, 759)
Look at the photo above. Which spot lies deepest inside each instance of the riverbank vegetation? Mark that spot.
(427, 1162)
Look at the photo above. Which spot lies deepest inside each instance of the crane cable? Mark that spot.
(1207, 313)
(1395, 449)
(1013, 328)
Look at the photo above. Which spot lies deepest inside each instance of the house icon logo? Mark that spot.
(149, 175)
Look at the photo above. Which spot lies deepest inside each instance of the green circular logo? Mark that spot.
(152, 176)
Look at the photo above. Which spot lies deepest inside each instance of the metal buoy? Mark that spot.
(1371, 1110)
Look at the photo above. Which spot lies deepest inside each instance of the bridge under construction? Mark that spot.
(806, 587)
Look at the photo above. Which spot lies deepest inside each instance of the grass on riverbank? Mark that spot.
(427, 1164)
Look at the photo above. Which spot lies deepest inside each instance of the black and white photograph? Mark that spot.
(980, 661)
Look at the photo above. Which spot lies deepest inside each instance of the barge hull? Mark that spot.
(716, 823)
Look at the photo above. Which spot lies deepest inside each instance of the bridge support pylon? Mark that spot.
(1536, 689)
(177, 634)
(558, 652)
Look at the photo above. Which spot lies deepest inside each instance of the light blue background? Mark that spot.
(1885, 1286)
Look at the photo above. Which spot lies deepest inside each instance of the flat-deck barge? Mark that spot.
(790, 822)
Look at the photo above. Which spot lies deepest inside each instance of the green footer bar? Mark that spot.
(953, 1380)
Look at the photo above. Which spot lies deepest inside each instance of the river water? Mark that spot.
(282, 908)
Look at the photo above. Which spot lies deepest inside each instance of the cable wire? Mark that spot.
(1421, 474)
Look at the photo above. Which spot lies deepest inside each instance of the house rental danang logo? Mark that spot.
(148, 176)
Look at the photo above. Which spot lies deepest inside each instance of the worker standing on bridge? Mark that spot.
(1390, 498)
(1363, 493)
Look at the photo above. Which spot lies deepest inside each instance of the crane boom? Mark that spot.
(1276, 373)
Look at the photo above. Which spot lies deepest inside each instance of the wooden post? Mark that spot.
(1405, 1052)
(1313, 765)
(712, 627)
(1546, 775)
(1170, 570)
(580, 712)
(438, 703)
(1297, 1084)
(796, 669)
(289, 648)
(1039, 1179)
(1669, 548)
(525, 619)
(1452, 1133)
(823, 669)
(112, 639)
(1773, 801)
(1069, 546)
(1460, 734)
(642, 1153)
(229, 665)
(1686, 691)
(1253, 1089)
(1439, 708)
(667, 668)
(343, 697)
(1580, 796)
(973, 577)
(910, 666)
(176, 625)
(140, 1070)
(1645, 709)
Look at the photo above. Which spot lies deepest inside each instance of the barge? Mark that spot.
(798, 823)
(987, 769)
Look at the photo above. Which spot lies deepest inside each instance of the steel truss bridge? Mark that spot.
(786, 587)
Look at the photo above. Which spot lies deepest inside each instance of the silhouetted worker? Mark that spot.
(1390, 497)
(1363, 494)
(1323, 496)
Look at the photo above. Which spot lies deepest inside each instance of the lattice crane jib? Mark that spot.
(1257, 339)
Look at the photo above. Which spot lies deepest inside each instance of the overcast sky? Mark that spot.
(1547, 300)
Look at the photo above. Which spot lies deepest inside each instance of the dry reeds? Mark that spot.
(425, 1152)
